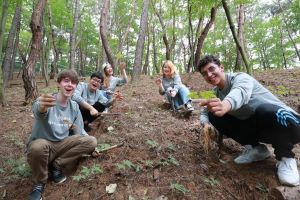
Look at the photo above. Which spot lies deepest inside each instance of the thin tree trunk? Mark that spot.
(103, 33)
(73, 35)
(231, 26)
(31, 91)
(2, 25)
(140, 42)
(16, 46)
(156, 68)
(146, 64)
(241, 21)
(282, 49)
(203, 36)
(6, 64)
(55, 49)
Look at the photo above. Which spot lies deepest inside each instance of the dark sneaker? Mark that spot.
(37, 191)
(57, 176)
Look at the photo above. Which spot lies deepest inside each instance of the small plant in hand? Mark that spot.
(178, 187)
(87, 172)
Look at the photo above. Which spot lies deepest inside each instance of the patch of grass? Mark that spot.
(148, 163)
(205, 94)
(20, 167)
(171, 160)
(178, 187)
(87, 172)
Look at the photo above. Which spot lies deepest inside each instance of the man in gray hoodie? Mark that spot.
(247, 112)
(58, 139)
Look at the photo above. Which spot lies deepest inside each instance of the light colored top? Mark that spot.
(114, 82)
(83, 94)
(245, 94)
(54, 125)
(171, 84)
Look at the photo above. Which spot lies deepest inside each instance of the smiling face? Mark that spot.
(94, 84)
(214, 74)
(67, 87)
(108, 70)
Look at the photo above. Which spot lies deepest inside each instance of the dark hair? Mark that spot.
(68, 73)
(208, 59)
(98, 75)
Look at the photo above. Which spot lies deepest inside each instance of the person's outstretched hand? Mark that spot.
(158, 81)
(122, 65)
(46, 101)
(94, 112)
(216, 106)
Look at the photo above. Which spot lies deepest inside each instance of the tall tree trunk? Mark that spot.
(240, 48)
(282, 49)
(6, 64)
(16, 47)
(28, 76)
(146, 64)
(241, 21)
(156, 68)
(140, 42)
(55, 49)
(73, 35)
(203, 36)
(103, 33)
(165, 38)
(2, 24)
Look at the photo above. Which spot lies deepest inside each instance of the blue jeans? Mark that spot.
(182, 97)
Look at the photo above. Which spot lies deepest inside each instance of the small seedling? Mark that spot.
(87, 172)
(148, 163)
(1, 170)
(212, 181)
(152, 143)
(179, 187)
(173, 160)
(171, 146)
(127, 164)
(262, 188)
(102, 147)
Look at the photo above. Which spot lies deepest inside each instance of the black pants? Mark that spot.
(86, 116)
(270, 124)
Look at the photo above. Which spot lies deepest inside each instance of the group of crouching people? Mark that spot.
(243, 110)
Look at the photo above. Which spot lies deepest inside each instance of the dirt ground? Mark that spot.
(161, 157)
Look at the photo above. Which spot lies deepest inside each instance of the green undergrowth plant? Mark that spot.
(205, 94)
(19, 167)
(262, 188)
(102, 147)
(171, 160)
(212, 181)
(86, 172)
(148, 163)
(178, 187)
(49, 90)
(152, 143)
(127, 164)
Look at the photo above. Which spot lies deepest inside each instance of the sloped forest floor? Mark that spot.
(161, 157)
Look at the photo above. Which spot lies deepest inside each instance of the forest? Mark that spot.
(161, 156)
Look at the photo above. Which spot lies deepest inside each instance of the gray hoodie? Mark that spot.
(245, 94)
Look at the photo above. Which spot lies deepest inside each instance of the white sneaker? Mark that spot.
(105, 110)
(287, 171)
(189, 106)
(251, 154)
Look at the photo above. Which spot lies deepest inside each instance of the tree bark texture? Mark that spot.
(55, 49)
(28, 76)
(103, 33)
(73, 35)
(2, 24)
(203, 36)
(140, 42)
(240, 48)
(6, 64)
(241, 22)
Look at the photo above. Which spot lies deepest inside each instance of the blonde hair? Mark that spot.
(106, 78)
(172, 67)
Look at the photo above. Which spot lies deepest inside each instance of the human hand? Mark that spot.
(94, 112)
(96, 154)
(46, 101)
(173, 93)
(122, 65)
(216, 106)
(119, 96)
(158, 81)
